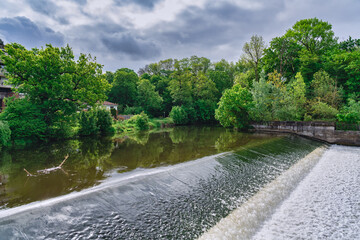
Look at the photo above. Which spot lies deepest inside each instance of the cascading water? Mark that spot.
(179, 201)
(325, 205)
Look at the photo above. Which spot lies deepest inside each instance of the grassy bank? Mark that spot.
(131, 125)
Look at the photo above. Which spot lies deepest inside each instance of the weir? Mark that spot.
(324, 131)
(179, 201)
(244, 221)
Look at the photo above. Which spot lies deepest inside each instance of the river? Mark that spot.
(174, 184)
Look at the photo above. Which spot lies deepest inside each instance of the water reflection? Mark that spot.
(94, 160)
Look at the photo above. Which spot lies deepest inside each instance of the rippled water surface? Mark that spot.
(174, 184)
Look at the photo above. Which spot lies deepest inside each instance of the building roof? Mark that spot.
(106, 103)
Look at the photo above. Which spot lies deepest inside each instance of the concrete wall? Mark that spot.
(324, 131)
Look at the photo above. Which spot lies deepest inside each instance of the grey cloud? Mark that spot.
(115, 40)
(149, 4)
(26, 32)
(81, 2)
(42, 6)
(134, 48)
(213, 25)
(48, 8)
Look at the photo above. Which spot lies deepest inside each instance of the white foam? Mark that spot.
(325, 205)
(244, 221)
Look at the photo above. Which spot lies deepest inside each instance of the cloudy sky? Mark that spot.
(132, 33)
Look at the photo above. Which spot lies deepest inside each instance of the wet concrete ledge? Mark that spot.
(323, 131)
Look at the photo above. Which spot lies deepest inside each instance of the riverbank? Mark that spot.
(323, 131)
(131, 126)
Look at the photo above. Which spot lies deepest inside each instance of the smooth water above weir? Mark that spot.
(174, 184)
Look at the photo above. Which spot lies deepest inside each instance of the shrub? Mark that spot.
(113, 112)
(88, 123)
(179, 115)
(141, 121)
(133, 110)
(322, 111)
(350, 113)
(5, 133)
(205, 110)
(104, 122)
(63, 129)
(234, 107)
(25, 119)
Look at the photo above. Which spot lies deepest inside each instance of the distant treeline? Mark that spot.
(306, 74)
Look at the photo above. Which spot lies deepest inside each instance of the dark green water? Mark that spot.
(168, 185)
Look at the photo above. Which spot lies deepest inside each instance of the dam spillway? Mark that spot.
(157, 200)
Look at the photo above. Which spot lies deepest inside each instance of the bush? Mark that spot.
(104, 122)
(25, 119)
(113, 112)
(5, 133)
(141, 121)
(322, 111)
(63, 129)
(205, 110)
(350, 113)
(133, 110)
(234, 106)
(88, 123)
(179, 115)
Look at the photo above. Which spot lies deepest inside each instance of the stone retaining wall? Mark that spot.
(324, 131)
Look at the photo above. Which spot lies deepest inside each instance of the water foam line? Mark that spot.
(244, 221)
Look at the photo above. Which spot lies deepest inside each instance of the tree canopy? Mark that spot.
(52, 80)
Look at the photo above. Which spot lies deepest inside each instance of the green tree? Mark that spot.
(53, 81)
(88, 123)
(222, 75)
(179, 115)
(297, 92)
(322, 111)
(234, 106)
(141, 121)
(262, 109)
(325, 89)
(148, 98)
(181, 87)
(350, 113)
(124, 87)
(26, 120)
(104, 121)
(253, 52)
(5, 133)
(315, 35)
(283, 56)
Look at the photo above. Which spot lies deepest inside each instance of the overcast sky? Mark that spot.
(132, 33)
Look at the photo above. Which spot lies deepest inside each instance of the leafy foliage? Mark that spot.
(325, 89)
(141, 121)
(5, 133)
(350, 113)
(179, 115)
(253, 52)
(124, 87)
(148, 98)
(323, 111)
(88, 123)
(25, 119)
(55, 86)
(234, 106)
(104, 121)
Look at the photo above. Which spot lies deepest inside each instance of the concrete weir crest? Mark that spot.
(324, 131)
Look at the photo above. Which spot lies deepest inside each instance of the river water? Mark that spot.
(174, 184)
